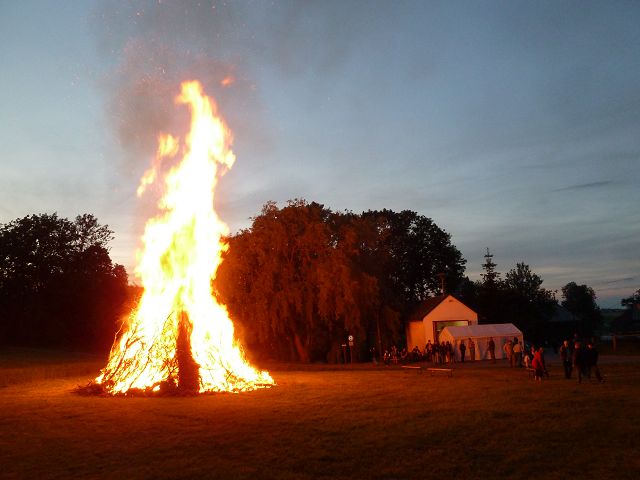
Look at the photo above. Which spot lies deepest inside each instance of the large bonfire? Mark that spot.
(180, 338)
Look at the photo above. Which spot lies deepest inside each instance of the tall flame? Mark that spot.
(180, 335)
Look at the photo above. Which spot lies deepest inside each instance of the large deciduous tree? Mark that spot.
(302, 277)
(58, 285)
(414, 251)
(581, 301)
(406, 253)
(290, 285)
(527, 302)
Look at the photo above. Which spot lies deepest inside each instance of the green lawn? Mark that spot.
(488, 421)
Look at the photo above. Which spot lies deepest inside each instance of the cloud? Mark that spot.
(585, 186)
(624, 280)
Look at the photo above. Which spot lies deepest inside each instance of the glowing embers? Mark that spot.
(179, 338)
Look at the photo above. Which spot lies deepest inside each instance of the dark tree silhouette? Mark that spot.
(632, 300)
(527, 302)
(490, 277)
(519, 298)
(491, 294)
(414, 250)
(581, 301)
(58, 286)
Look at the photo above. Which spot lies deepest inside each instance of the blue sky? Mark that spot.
(514, 125)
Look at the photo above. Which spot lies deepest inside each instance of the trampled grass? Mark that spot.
(487, 421)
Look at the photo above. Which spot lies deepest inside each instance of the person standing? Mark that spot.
(566, 357)
(491, 348)
(592, 362)
(533, 351)
(472, 350)
(538, 365)
(579, 361)
(508, 350)
(517, 354)
(462, 349)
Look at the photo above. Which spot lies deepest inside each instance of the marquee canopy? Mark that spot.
(477, 331)
(500, 332)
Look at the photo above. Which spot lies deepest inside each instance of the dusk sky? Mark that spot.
(513, 125)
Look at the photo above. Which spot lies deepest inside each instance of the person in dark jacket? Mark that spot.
(462, 349)
(491, 348)
(580, 361)
(566, 357)
(592, 362)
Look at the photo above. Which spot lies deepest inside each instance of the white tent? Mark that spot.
(480, 334)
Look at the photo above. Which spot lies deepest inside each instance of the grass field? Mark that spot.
(487, 421)
(19, 365)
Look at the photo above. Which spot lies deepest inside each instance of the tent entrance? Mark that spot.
(440, 325)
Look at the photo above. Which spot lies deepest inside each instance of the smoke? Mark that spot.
(150, 47)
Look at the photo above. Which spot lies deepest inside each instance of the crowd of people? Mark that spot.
(579, 357)
(438, 353)
(520, 355)
(583, 360)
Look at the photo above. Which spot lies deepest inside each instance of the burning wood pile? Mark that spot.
(180, 339)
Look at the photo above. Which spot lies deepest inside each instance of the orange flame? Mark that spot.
(168, 146)
(182, 251)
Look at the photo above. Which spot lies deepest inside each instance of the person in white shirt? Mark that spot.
(517, 353)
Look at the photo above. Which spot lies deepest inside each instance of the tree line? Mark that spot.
(520, 298)
(296, 282)
(302, 277)
(58, 285)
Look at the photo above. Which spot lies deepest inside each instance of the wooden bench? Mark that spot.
(448, 371)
